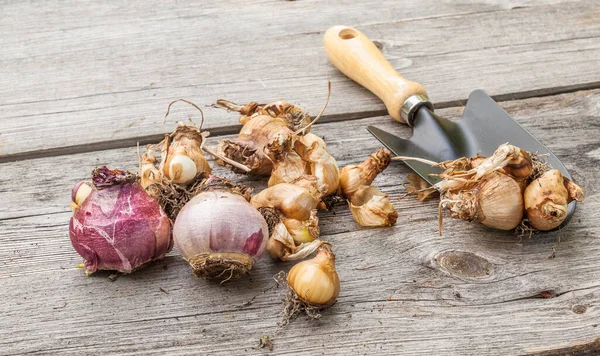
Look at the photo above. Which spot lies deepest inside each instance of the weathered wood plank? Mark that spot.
(561, 122)
(397, 296)
(72, 83)
(392, 302)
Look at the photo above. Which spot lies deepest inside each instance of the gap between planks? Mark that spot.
(233, 129)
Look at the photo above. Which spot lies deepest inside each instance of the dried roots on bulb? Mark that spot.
(261, 141)
(174, 180)
(295, 117)
(547, 197)
(495, 200)
(290, 211)
(218, 232)
(490, 190)
(172, 197)
(313, 285)
(540, 165)
(508, 159)
(267, 135)
(419, 186)
(512, 160)
(182, 169)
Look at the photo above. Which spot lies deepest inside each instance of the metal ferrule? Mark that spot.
(411, 105)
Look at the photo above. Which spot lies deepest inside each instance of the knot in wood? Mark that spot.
(463, 264)
(579, 309)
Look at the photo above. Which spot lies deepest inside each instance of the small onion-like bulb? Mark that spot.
(320, 163)
(182, 169)
(276, 248)
(495, 201)
(117, 225)
(316, 281)
(303, 231)
(546, 200)
(220, 234)
(353, 177)
(370, 207)
(291, 200)
(79, 193)
(148, 173)
(260, 142)
(182, 157)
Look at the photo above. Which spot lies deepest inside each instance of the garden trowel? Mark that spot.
(483, 127)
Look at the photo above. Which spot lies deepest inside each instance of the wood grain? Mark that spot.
(404, 289)
(561, 122)
(92, 76)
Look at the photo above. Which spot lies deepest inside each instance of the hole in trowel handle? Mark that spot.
(348, 33)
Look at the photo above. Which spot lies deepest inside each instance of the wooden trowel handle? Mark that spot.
(356, 56)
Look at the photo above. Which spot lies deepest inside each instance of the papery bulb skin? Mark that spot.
(495, 201)
(320, 163)
(267, 136)
(520, 166)
(512, 160)
(575, 192)
(292, 200)
(500, 203)
(261, 141)
(476, 160)
(289, 168)
(303, 231)
(148, 172)
(353, 177)
(182, 169)
(316, 281)
(79, 193)
(275, 248)
(182, 155)
(370, 207)
(295, 117)
(290, 211)
(119, 226)
(546, 200)
(219, 233)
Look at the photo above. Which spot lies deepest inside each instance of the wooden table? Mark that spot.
(82, 84)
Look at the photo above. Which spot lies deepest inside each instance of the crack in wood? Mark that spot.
(228, 130)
